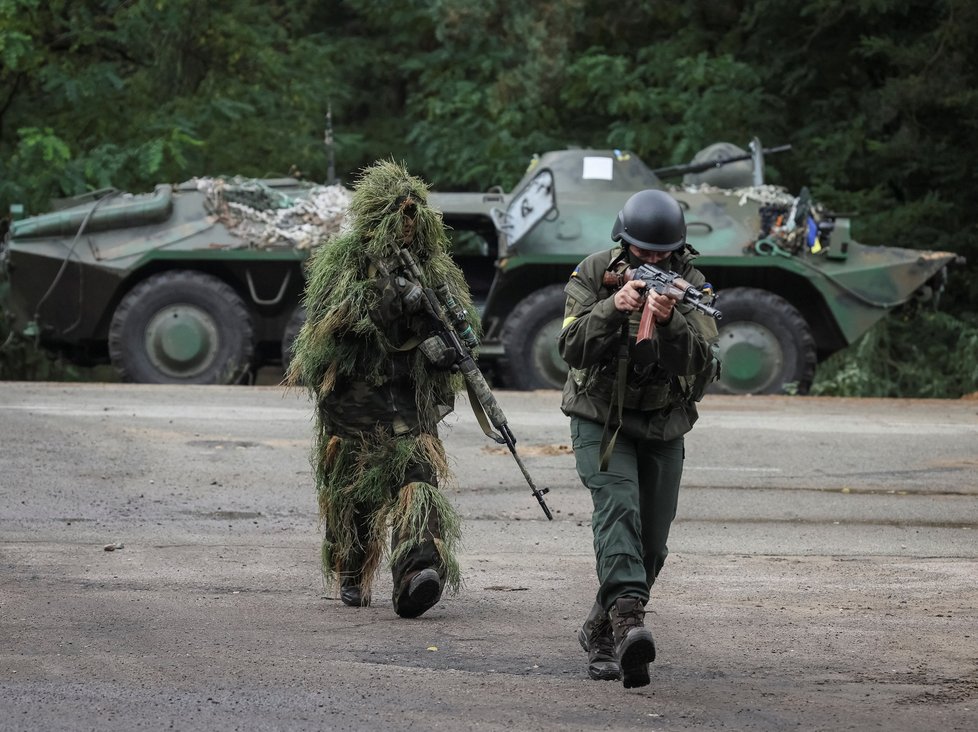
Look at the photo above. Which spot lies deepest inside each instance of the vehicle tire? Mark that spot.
(181, 327)
(529, 337)
(766, 347)
(292, 329)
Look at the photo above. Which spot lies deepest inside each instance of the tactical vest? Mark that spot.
(656, 403)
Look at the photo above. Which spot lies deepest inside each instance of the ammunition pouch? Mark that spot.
(645, 395)
(695, 386)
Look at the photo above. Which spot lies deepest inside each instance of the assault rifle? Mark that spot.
(665, 283)
(417, 297)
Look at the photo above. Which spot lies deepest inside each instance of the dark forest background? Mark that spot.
(878, 98)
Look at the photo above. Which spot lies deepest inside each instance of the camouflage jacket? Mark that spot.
(356, 405)
(659, 398)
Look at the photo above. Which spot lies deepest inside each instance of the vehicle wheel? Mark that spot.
(292, 329)
(181, 327)
(766, 347)
(530, 341)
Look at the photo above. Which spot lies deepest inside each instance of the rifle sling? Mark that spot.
(410, 343)
(480, 413)
(618, 396)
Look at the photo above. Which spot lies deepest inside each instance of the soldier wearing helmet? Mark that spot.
(629, 408)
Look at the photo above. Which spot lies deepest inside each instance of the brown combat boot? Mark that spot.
(597, 640)
(633, 641)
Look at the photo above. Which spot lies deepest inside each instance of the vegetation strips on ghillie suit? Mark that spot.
(379, 397)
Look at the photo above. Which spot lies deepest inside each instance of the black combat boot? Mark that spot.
(421, 593)
(351, 594)
(633, 641)
(597, 640)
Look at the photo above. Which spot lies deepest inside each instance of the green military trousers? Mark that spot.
(634, 506)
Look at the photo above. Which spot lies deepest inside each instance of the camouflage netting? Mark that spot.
(269, 218)
(359, 473)
(765, 194)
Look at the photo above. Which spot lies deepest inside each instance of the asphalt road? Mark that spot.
(823, 573)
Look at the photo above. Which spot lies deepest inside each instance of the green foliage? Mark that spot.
(881, 111)
(909, 355)
(131, 93)
(22, 360)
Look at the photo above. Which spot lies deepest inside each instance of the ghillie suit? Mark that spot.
(377, 458)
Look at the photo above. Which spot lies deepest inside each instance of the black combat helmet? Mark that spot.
(651, 220)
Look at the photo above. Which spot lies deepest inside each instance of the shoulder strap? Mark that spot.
(618, 399)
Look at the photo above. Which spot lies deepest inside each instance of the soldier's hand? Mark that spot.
(661, 306)
(411, 295)
(438, 352)
(629, 298)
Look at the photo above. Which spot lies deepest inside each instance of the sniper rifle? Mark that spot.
(418, 297)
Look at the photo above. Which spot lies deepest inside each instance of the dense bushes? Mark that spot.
(928, 354)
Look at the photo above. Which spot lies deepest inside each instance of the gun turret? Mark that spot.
(676, 170)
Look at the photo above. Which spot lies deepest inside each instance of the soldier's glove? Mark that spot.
(441, 355)
(411, 294)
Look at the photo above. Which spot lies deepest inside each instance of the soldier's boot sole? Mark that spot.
(599, 670)
(423, 593)
(636, 652)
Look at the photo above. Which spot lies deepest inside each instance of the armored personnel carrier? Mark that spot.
(193, 283)
(200, 282)
(794, 286)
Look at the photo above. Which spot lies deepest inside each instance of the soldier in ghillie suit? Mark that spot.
(381, 385)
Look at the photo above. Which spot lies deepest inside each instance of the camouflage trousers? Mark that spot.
(412, 549)
(377, 492)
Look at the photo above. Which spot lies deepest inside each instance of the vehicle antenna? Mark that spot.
(328, 141)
